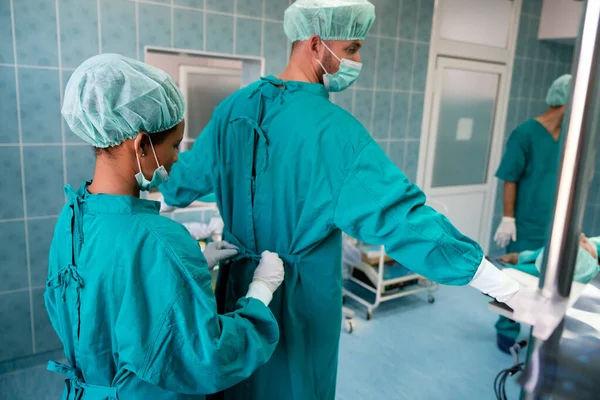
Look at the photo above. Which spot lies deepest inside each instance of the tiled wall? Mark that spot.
(537, 64)
(389, 94)
(42, 41)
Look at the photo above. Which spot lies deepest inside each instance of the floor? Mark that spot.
(409, 350)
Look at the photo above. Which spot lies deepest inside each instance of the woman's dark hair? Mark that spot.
(157, 138)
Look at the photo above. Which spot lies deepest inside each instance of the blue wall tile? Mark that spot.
(118, 27)
(400, 115)
(78, 31)
(274, 9)
(397, 153)
(363, 107)
(385, 63)
(45, 336)
(387, 12)
(521, 47)
(383, 144)
(8, 106)
(220, 5)
(276, 44)
(40, 236)
(408, 19)
(35, 31)
(189, 29)
(424, 19)
(411, 160)
(381, 118)
(11, 200)
(415, 115)
(40, 105)
(43, 190)
(81, 161)
(13, 256)
(155, 26)
(420, 67)
(15, 329)
(404, 64)
(19, 384)
(191, 3)
(219, 33)
(344, 99)
(6, 44)
(248, 37)
(368, 55)
(251, 8)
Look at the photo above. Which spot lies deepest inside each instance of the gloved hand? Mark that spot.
(507, 231)
(267, 278)
(218, 251)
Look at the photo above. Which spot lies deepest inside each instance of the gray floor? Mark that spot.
(409, 350)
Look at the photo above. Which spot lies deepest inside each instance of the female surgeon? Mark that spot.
(128, 291)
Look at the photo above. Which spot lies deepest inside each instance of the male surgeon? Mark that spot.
(291, 171)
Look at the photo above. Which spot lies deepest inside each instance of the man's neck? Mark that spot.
(299, 72)
(552, 120)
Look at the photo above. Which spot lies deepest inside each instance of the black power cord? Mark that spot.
(500, 381)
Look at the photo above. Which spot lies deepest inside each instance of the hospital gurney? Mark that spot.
(386, 281)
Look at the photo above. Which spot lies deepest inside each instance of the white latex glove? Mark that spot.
(267, 278)
(198, 230)
(507, 231)
(218, 251)
(490, 280)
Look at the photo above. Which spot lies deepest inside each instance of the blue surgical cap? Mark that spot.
(111, 98)
(559, 91)
(328, 19)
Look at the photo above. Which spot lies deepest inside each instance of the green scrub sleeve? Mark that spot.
(195, 350)
(513, 162)
(378, 204)
(192, 176)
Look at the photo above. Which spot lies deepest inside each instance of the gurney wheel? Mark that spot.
(431, 299)
(369, 315)
(350, 326)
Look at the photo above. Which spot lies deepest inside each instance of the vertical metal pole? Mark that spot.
(574, 176)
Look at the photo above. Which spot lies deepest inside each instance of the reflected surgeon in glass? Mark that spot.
(529, 168)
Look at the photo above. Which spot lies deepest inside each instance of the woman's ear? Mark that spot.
(141, 143)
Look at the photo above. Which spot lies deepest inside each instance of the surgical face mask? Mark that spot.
(158, 178)
(346, 75)
(586, 266)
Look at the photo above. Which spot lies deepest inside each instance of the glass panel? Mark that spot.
(204, 93)
(465, 127)
(485, 22)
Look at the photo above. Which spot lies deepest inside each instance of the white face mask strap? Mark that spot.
(322, 66)
(327, 47)
(137, 157)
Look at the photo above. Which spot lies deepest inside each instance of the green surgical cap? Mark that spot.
(328, 19)
(111, 98)
(559, 91)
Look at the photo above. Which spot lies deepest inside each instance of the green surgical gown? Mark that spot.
(290, 170)
(129, 295)
(531, 161)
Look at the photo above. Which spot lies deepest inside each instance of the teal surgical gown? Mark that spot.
(290, 170)
(531, 161)
(129, 295)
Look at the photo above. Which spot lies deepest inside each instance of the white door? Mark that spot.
(464, 138)
(204, 88)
